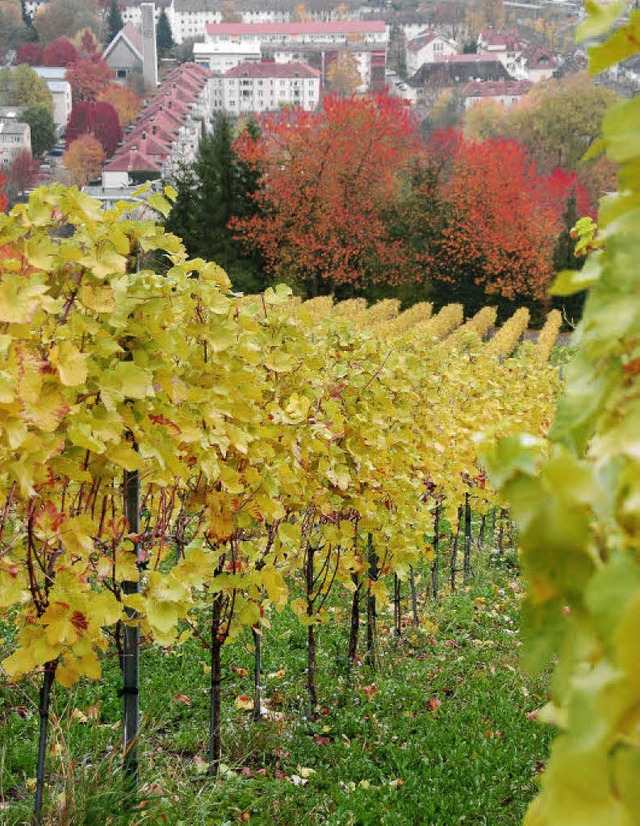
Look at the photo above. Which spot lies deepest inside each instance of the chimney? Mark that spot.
(149, 54)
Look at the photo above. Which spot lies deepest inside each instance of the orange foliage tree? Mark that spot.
(83, 159)
(88, 78)
(327, 180)
(124, 100)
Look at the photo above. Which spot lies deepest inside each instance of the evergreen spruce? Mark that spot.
(164, 37)
(211, 191)
(114, 20)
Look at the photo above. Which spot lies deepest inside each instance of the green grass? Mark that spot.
(441, 736)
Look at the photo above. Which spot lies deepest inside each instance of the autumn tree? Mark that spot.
(560, 120)
(229, 13)
(87, 45)
(447, 111)
(500, 219)
(13, 31)
(3, 198)
(449, 17)
(326, 180)
(60, 52)
(63, 18)
(300, 14)
(343, 76)
(43, 130)
(124, 100)
(96, 118)
(485, 119)
(30, 53)
(21, 174)
(23, 87)
(88, 78)
(83, 159)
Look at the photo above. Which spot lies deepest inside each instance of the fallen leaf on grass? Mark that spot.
(243, 702)
(277, 675)
(434, 703)
(182, 698)
(320, 740)
(200, 764)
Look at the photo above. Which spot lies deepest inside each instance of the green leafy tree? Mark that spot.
(23, 87)
(43, 130)
(164, 36)
(114, 21)
(214, 189)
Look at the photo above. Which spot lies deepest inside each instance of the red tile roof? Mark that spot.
(537, 57)
(423, 39)
(466, 58)
(508, 39)
(133, 161)
(331, 27)
(497, 88)
(268, 69)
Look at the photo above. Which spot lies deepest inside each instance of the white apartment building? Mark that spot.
(251, 87)
(189, 18)
(54, 77)
(314, 43)
(14, 137)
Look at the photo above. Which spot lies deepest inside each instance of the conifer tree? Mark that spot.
(114, 20)
(164, 37)
(214, 189)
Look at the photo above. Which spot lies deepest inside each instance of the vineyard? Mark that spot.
(179, 463)
(266, 527)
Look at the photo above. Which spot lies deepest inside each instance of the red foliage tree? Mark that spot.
(88, 45)
(4, 203)
(60, 52)
(21, 173)
(29, 53)
(501, 218)
(327, 179)
(88, 78)
(99, 119)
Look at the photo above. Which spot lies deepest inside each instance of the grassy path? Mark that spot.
(442, 734)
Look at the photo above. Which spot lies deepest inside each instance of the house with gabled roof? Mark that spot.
(505, 44)
(425, 48)
(505, 92)
(124, 53)
(537, 63)
(453, 72)
(167, 132)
